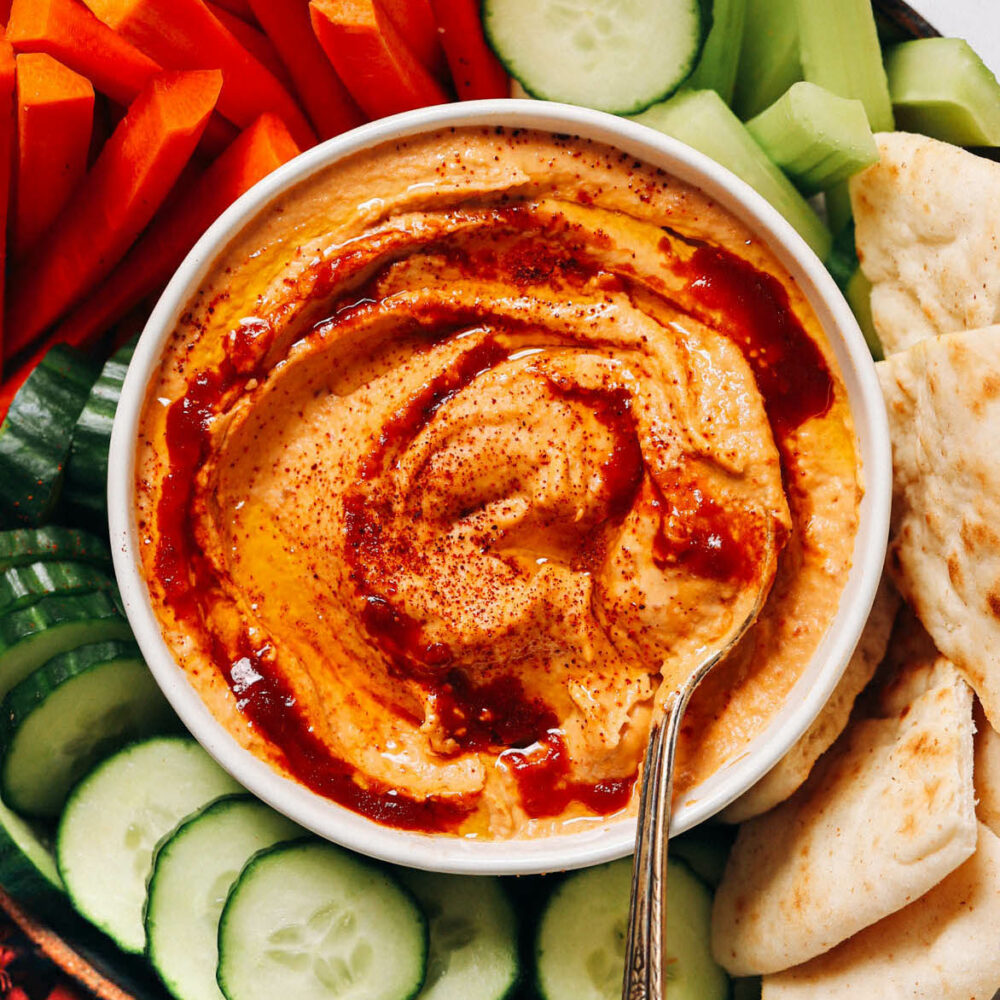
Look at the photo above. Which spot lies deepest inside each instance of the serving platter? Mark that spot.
(36, 952)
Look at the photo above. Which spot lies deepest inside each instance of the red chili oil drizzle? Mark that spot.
(495, 714)
(268, 702)
(408, 422)
(186, 438)
(622, 471)
(697, 533)
(399, 635)
(694, 530)
(790, 370)
(542, 776)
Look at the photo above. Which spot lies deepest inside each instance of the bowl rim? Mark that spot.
(596, 841)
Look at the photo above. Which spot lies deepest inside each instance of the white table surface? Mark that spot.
(978, 21)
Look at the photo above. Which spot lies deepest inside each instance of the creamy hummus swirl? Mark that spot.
(466, 453)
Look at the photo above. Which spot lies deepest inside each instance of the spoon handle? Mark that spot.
(645, 949)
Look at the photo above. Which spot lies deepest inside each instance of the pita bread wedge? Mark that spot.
(941, 947)
(793, 769)
(886, 815)
(986, 771)
(943, 401)
(927, 219)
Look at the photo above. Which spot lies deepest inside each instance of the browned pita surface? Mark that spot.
(943, 401)
(944, 946)
(927, 219)
(886, 815)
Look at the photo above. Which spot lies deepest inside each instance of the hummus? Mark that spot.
(465, 452)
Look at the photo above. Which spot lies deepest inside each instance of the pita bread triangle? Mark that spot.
(886, 814)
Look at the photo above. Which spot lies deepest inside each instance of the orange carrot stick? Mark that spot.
(414, 20)
(327, 101)
(55, 114)
(5, 11)
(241, 8)
(475, 69)
(189, 211)
(183, 34)
(114, 203)
(254, 41)
(67, 31)
(7, 127)
(369, 55)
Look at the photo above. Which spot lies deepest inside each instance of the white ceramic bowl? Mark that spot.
(597, 842)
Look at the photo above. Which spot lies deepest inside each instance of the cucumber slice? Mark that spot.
(840, 51)
(701, 119)
(720, 59)
(53, 625)
(50, 544)
(35, 436)
(580, 946)
(72, 712)
(86, 487)
(473, 953)
(769, 55)
(28, 870)
(940, 87)
(311, 921)
(620, 57)
(114, 819)
(193, 871)
(816, 137)
(23, 585)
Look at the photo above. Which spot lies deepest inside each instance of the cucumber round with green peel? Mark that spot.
(86, 486)
(312, 921)
(193, 871)
(473, 951)
(580, 944)
(69, 714)
(21, 546)
(613, 55)
(53, 625)
(28, 872)
(117, 815)
(23, 585)
(35, 435)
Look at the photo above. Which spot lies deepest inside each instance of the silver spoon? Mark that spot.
(646, 943)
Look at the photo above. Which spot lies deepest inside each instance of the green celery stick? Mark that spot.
(837, 200)
(716, 70)
(940, 87)
(702, 119)
(840, 51)
(842, 261)
(769, 57)
(817, 138)
(859, 296)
